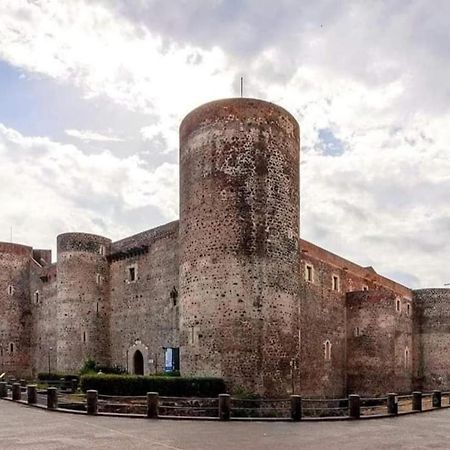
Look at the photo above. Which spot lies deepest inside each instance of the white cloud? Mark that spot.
(87, 135)
(373, 75)
(53, 188)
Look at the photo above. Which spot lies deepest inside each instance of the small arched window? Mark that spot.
(327, 350)
(11, 348)
(397, 305)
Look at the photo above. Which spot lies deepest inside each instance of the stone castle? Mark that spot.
(230, 289)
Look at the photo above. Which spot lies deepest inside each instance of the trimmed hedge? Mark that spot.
(107, 384)
(55, 376)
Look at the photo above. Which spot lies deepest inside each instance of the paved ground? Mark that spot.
(23, 427)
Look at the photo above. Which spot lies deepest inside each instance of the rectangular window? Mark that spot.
(309, 274)
(365, 288)
(335, 283)
(132, 273)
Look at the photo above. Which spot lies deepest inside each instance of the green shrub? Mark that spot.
(166, 386)
(91, 367)
(55, 376)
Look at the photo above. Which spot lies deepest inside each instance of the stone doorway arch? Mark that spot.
(137, 358)
(138, 363)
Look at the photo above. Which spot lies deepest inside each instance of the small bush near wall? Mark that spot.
(54, 376)
(165, 386)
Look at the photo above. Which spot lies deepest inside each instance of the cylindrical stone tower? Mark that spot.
(239, 249)
(432, 328)
(83, 308)
(15, 314)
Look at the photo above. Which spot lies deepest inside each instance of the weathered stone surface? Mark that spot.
(231, 284)
(239, 231)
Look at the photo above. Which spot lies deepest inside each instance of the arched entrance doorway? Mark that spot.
(138, 363)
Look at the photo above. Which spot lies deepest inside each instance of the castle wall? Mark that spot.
(83, 300)
(432, 330)
(15, 318)
(380, 343)
(44, 310)
(239, 231)
(144, 312)
(324, 316)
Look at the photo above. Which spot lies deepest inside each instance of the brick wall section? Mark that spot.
(83, 307)
(44, 310)
(144, 314)
(15, 319)
(324, 316)
(433, 338)
(380, 352)
(239, 228)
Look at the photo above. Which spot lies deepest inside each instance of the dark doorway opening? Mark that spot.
(138, 363)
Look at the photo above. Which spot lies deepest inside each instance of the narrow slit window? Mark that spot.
(10, 289)
(397, 305)
(408, 309)
(11, 348)
(357, 332)
(309, 274)
(406, 357)
(131, 274)
(327, 350)
(36, 297)
(335, 283)
(84, 336)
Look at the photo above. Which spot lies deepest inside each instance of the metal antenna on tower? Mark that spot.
(242, 87)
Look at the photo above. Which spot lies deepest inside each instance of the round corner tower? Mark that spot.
(83, 308)
(239, 249)
(16, 319)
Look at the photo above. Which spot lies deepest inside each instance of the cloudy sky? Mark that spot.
(92, 93)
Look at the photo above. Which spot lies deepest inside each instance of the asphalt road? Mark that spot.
(23, 427)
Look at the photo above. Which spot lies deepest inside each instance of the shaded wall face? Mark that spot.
(322, 320)
(379, 343)
(15, 315)
(145, 312)
(239, 228)
(432, 333)
(43, 342)
(83, 301)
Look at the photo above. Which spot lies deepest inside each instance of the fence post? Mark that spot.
(32, 394)
(3, 389)
(224, 406)
(152, 405)
(52, 398)
(417, 401)
(354, 406)
(437, 399)
(392, 404)
(91, 402)
(16, 391)
(296, 408)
